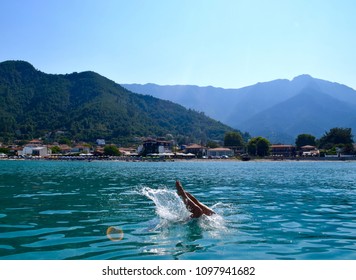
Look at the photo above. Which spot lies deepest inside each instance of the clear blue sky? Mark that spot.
(221, 43)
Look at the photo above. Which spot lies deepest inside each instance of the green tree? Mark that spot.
(56, 150)
(65, 141)
(4, 150)
(336, 136)
(233, 139)
(258, 146)
(348, 149)
(305, 139)
(212, 144)
(111, 150)
(263, 146)
(251, 147)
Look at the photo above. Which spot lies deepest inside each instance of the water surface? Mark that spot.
(265, 210)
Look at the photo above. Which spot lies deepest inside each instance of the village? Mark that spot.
(149, 148)
(153, 149)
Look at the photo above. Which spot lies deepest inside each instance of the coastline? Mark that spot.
(135, 159)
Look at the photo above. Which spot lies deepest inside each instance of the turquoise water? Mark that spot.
(265, 210)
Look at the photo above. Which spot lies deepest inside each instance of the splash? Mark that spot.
(171, 210)
(169, 206)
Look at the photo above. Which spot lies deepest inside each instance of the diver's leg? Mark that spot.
(206, 210)
(192, 197)
(180, 190)
(189, 203)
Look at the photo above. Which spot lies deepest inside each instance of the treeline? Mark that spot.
(336, 140)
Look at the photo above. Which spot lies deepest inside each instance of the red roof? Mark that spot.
(220, 149)
(308, 147)
(35, 141)
(195, 146)
(282, 146)
(64, 147)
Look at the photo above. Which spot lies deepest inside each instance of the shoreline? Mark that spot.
(129, 159)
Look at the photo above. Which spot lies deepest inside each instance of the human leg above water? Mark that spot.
(193, 205)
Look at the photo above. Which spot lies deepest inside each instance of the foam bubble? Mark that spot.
(169, 206)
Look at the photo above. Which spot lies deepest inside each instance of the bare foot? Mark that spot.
(180, 189)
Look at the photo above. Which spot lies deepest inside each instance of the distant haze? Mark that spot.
(278, 110)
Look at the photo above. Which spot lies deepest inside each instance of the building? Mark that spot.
(283, 150)
(309, 151)
(128, 151)
(100, 142)
(64, 149)
(35, 142)
(80, 148)
(197, 150)
(35, 148)
(41, 151)
(155, 146)
(38, 151)
(15, 150)
(220, 152)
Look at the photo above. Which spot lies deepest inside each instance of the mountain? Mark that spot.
(310, 111)
(86, 106)
(278, 110)
(219, 103)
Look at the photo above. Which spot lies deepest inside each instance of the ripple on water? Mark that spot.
(89, 221)
(36, 232)
(61, 239)
(7, 247)
(57, 212)
(16, 226)
(42, 194)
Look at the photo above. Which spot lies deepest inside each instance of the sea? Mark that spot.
(111, 210)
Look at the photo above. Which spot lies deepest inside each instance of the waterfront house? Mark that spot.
(220, 152)
(80, 149)
(64, 149)
(38, 151)
(41, 151)
(308, 151)
(14, 149)
(35, 148)
(283, 150)
(155, 146)
(196, 149)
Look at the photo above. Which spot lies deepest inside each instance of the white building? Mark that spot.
(220, 152)
(100, 142)
(39, 151)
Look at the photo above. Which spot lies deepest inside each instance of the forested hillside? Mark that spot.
(86, 106)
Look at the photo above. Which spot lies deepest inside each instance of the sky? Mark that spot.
(222, 43)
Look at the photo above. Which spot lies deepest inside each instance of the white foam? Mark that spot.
(171, 210)
(169, 206)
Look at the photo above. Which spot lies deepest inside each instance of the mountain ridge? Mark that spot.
(240, 108)
(311, 116)
(87, 106)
